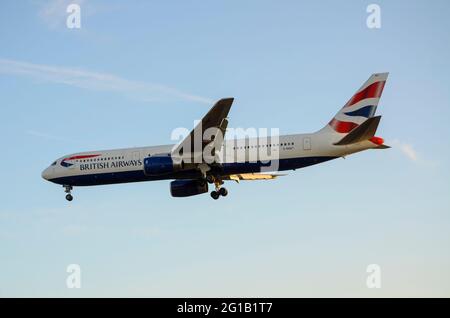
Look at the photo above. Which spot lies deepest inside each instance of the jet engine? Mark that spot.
(186, 188)
(161, 165)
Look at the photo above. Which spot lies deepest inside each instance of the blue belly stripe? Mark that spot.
(226, 169)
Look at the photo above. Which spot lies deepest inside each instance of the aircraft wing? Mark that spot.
(252, 176)
(210, 131)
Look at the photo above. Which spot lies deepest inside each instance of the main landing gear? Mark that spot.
(220, 191)
(67, 190)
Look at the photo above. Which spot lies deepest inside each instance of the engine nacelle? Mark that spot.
(160, 165)
(186, 188)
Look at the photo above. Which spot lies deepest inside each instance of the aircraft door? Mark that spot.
(306, 143)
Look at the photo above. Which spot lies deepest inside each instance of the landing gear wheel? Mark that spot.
(223, 192)
(215, 195)
(67, 189)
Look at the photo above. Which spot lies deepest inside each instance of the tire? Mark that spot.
(223, 192)
(69, 197)
(215, 195)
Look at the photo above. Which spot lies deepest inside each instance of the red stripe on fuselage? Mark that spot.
(81, 157)
(342, 126)
(372, 91)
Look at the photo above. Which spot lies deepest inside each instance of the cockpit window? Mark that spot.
(54, 163)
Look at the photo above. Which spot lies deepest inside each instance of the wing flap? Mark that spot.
(252, 176)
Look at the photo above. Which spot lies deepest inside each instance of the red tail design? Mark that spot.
(372, 91)
(342, 126)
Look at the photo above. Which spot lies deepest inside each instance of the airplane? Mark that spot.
(351, 130)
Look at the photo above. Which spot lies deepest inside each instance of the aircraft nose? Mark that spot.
(46, 174)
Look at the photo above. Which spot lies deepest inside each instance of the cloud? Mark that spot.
(143, 91)
(410, 152)
(44, 135)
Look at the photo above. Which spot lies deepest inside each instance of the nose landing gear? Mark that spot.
(68, 189)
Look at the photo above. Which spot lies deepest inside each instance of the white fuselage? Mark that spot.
(126, 165)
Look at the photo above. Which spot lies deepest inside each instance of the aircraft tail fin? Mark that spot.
(361, 106)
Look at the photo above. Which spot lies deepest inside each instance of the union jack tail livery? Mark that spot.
(361, 106)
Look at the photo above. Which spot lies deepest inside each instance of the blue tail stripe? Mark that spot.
(367, 111)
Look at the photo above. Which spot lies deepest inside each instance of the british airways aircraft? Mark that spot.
(204, 157)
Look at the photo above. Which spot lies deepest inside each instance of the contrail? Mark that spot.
(81, 78)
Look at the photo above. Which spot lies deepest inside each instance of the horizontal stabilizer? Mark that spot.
(382, 147)
(363, 132)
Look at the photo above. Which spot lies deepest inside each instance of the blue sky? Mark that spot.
(137, 70)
